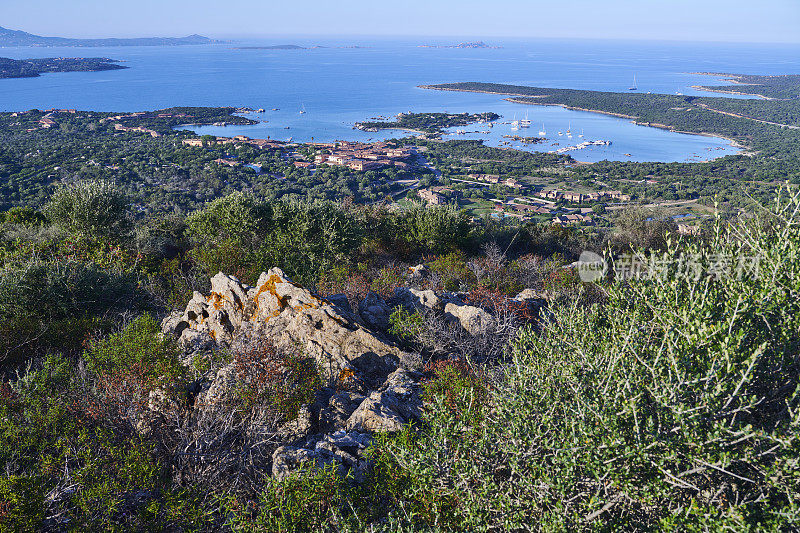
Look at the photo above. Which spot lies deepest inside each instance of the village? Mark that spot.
(507, 197)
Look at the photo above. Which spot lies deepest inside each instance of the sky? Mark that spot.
(683, 20)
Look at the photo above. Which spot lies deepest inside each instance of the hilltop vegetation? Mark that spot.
(665, 401)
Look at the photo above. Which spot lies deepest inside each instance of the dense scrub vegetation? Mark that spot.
(783, 87)
(429, 122)
(654, 403)
(30, 68)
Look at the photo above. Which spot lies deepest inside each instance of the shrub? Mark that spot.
(94, 478)
(239, 233)
(96, 208)
(406, 324)
(275, 380)
(23, 216)
(461, 389)
(21, 503)
(673, 406)
(128, 366)
(137, 345)
(239, 218)
(52, 304)
(436, 230)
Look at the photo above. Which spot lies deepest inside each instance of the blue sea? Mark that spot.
(338, 85)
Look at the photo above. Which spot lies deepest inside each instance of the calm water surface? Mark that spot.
(340, 86)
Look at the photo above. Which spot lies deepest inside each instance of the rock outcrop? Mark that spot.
(288, 315)
(369, 384)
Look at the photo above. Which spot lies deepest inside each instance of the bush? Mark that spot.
(435, 230)
(137, 345)
(22, 216)
(96, 208)
(275, 380)
(239, 234)
(673, 406)
(94, 478)
(54, 304)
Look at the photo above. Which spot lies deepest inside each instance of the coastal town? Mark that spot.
(503, 196)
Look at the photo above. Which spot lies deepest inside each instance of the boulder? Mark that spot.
(298, 428)
(338, 409)
(418, 272)
(288, 459)
(343, 449)
(473, 319)
(375, 312)
(341, 301)
(416, 300)
(530, 295)
(391, 408)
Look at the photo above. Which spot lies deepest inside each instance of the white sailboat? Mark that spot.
(633, 87)
(515, 123)
(569, 130)
(543, 132)
(526, 123)
(581, 135)
(302, 109)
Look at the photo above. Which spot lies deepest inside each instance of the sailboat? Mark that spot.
(569, 132)
(633, 87)
(581, 135)
(543, 132)
(515, 123)
(526, 123)
(303, 109)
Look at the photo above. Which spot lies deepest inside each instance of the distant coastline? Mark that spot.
(15, 38)
(297, 47)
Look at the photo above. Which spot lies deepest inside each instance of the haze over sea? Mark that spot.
(340, 86)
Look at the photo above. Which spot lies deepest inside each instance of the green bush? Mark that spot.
(55, 304)
(93, 207)
(673, 406)
(242, 235)
(51, 442)
(21, 503)
(436, 230)
(23, 216)
(138, 346)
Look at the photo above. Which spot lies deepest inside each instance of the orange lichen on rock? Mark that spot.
(269, 286)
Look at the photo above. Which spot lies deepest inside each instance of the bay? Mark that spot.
(339, 86)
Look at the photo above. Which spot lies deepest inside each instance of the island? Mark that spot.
(468, 45)
(31, 68)
(273, 47)
(11, 38)
(426, 123)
